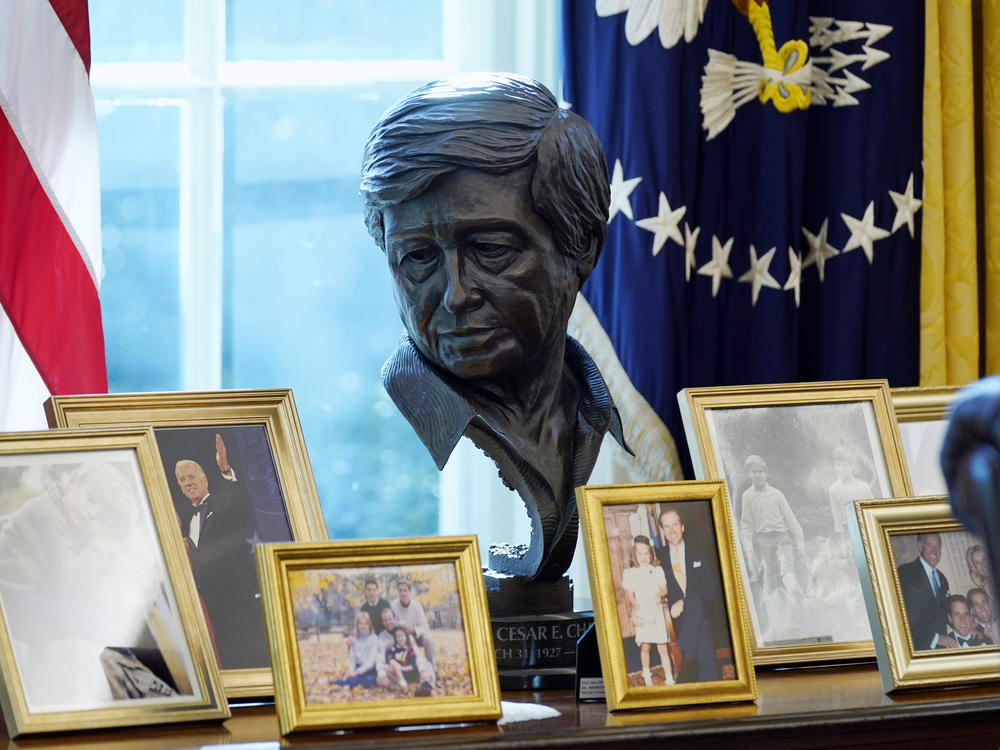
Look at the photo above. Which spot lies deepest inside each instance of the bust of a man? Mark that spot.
(490, 203)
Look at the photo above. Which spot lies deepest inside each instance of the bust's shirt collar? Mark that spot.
(440, 413)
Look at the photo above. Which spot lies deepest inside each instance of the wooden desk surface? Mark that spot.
(815, 708)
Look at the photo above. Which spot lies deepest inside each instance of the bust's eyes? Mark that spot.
(494, 254)
(419, 262)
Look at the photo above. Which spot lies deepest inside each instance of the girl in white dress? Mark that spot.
(645, 586)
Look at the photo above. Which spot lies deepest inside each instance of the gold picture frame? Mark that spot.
(261, 435)
(316, 610)
(795, 557)
(100, 623)
(646, 606)
(887, 544)
(921, 414)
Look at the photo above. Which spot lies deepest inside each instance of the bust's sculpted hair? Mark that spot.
(496, 124)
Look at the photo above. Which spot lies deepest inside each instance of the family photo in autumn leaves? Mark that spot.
(376, 633)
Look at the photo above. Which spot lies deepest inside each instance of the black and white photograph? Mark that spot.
(99, 620)
(793, 472)
(83, 586)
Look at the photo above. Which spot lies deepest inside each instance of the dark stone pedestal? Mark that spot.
(534, 631)
(538, 652)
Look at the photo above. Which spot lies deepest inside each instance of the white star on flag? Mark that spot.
(906, 206)
(690, 241)
(664, 225)
(621, 189)
(794, 274)
(759, 275)
(864, 232)
(718, 267)
(819, 249)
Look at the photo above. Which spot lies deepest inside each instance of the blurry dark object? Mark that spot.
(970, 460)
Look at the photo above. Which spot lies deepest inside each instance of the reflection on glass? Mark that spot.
(139, 145)
(83, 587)
(308, 302)
(127, 31)
(334, 30)
(922, 441)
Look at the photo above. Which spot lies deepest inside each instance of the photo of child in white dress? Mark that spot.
(645, 587)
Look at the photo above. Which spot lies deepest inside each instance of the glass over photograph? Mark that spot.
(922, 443)
(669, 594)
(380, 633)
(84, 591)
(947, 588)
(227, 495)
(793, 472)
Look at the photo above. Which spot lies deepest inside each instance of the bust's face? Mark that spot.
(479, 283)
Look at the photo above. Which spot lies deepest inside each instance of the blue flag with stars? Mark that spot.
(766, 180)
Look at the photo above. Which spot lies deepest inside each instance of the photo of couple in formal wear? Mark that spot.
(793, 474)
(669, 594)
(382, 632)
(947, 587)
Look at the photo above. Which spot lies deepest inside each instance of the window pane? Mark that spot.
(308, 302)
(333, 30)
(140, 214)
(130, 31)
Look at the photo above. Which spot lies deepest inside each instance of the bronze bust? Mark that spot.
(490, 203)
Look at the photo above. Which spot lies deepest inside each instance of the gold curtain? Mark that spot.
(961, 253)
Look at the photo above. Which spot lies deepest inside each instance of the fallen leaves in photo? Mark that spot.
(324, 660)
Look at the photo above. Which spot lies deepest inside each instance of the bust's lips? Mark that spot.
(468, 336)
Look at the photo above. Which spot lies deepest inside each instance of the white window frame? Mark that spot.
(519, 36)
(525, 42)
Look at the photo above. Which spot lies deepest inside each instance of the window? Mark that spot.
(234, 251)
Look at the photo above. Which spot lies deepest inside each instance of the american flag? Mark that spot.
(51, 339)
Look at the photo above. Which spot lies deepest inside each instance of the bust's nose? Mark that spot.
(460, 293)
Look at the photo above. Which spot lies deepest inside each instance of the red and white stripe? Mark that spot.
(51, 339)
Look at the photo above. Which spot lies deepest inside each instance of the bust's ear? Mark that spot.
(587, 260)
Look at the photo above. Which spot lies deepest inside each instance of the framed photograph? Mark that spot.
(922, 415)
(238, 474)
(669, 610)
(378, 632)
(794, 457)
(100, 623)
(929, 592)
